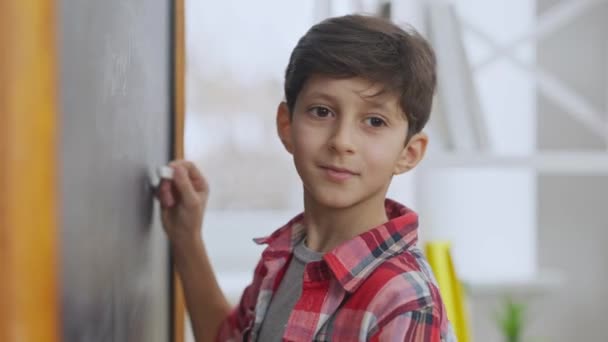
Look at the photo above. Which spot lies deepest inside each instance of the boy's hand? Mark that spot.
(183, 201)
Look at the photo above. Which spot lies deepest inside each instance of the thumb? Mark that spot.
(184, 186)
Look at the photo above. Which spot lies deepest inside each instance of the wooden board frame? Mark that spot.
(178, 98)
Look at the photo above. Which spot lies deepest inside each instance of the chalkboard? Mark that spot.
(116, 124)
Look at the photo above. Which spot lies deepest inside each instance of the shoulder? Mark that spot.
(400, 298)
(402, 284)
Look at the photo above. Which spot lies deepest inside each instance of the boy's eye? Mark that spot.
(375, 122)
(321, 112)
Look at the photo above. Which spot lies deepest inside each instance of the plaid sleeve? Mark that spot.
(238, 324)
(423, 325)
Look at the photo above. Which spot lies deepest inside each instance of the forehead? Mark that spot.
(354, 88)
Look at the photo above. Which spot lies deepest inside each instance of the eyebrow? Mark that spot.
(376, 104)
(321, 95)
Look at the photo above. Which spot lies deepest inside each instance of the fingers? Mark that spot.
(188, 186)
(184, 185)
(198, 180)
(165, 194)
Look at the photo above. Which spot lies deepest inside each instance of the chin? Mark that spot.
(334, 199)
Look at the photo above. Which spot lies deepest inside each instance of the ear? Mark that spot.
(412, 153)
(284, 126)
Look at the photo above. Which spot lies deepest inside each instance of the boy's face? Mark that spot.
(346, 143)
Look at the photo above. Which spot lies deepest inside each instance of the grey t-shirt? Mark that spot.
(288, 293)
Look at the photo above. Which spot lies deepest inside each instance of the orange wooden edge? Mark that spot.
(29, 304)
(179, 94)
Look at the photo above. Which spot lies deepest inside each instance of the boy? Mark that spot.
(358, 91)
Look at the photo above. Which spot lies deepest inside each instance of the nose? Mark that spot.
(342, 138)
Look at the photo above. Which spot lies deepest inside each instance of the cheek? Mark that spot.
(307, 139)
(382, 156)
(307, 144)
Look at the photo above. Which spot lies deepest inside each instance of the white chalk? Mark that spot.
(165, 172)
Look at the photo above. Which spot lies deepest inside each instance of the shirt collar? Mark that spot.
(354, 260)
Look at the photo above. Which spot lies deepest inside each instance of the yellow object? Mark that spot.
(440, 259)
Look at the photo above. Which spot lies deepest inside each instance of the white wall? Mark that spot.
(484, 212)
(507, 224)
(572, 221)
(572, 228)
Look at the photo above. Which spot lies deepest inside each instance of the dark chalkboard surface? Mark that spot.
(116, 127)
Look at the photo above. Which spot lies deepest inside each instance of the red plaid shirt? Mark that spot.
(376, 286)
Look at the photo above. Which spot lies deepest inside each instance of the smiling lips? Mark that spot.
(338, 174)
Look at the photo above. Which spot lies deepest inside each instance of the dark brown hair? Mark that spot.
(372, 48)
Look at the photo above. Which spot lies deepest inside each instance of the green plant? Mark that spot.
(510, 320)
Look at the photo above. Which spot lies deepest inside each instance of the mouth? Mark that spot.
(338, 173)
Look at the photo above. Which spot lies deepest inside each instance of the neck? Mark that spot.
(329, 227)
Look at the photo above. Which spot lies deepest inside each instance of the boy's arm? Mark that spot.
(207, 306)
(183, 202)
(414, 313)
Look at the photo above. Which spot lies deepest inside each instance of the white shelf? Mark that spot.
(575, 162)
(542, 284)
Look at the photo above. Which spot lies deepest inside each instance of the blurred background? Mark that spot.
(516, 178)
